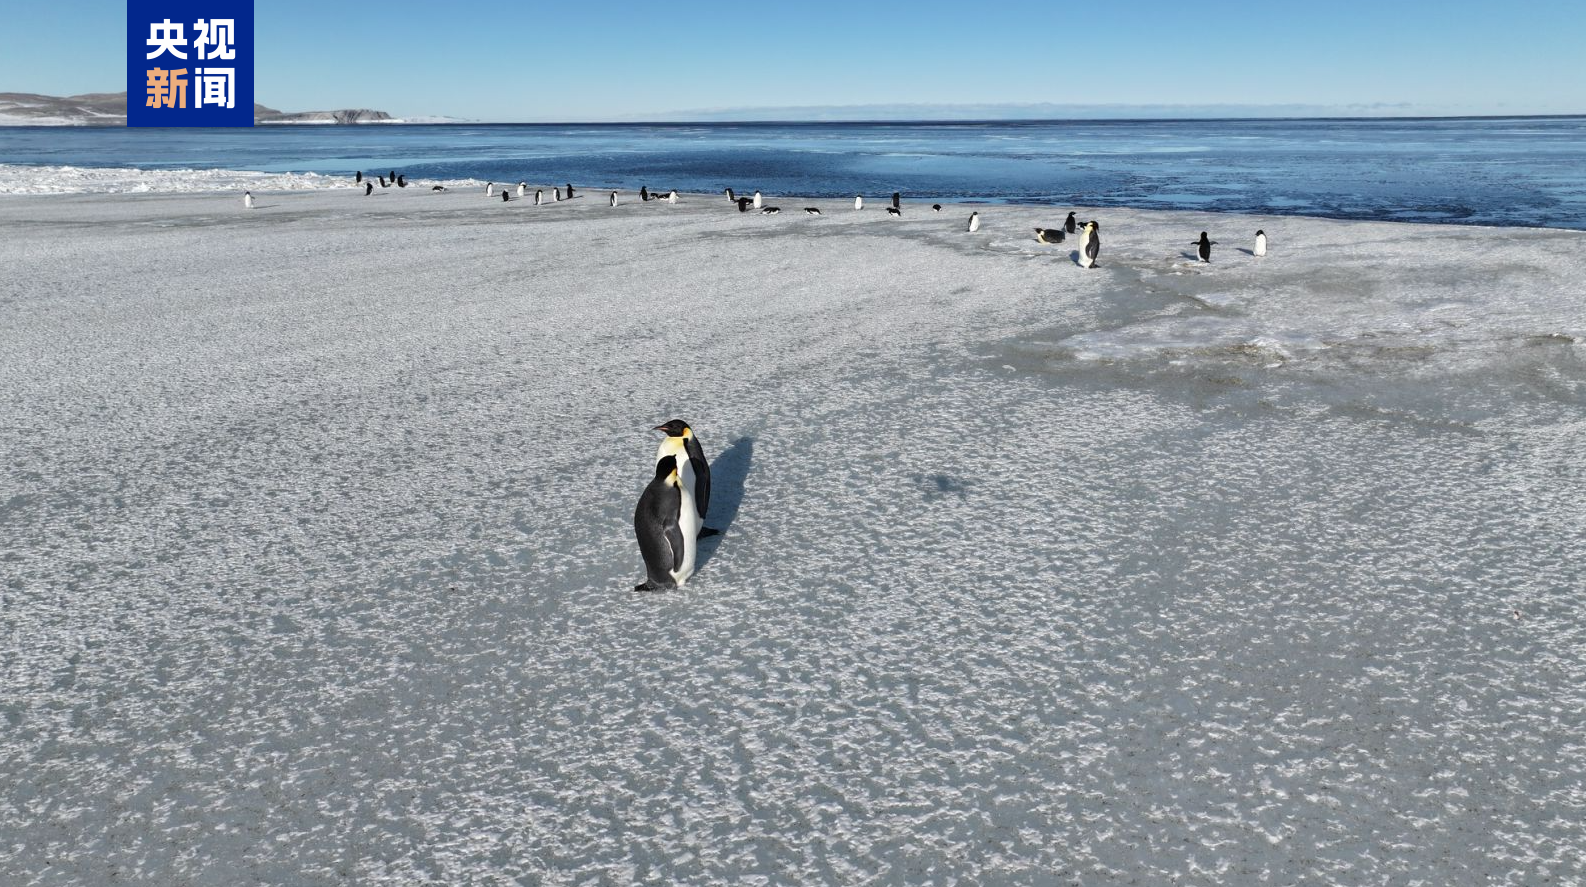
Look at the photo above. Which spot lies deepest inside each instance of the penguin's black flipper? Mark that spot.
(708, 531)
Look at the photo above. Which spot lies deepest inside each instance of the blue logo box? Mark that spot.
(190, 63)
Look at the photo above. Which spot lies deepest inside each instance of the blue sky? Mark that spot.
(515, 60)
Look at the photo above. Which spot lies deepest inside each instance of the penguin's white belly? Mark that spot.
(1261, 246)
(689, 525)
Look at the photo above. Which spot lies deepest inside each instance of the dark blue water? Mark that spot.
(1490, 171)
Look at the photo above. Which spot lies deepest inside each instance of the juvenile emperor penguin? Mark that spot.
(859, 201)
(613, 198)
(247, 199)
(693, 470)
(1089, 244)
(1203, 247)
(667, 527)
(1049, 235)
(1069, 224)
(758, 200)
(1261, 243)
(974, 222)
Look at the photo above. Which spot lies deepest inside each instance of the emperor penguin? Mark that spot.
(358, 179)
(1069, 224)
(731, 198)
(490, 189)
(368, 188)
(894, 211)
(897, 199)
(613, 198)
(402, 181)
(569, 190)
(770, 210)
(743, 204)
(671, 197)
(693, 469)
(505, 195)
(437, 187)
(812, 210)
(1089, 244)
(556, 195)
(1203, 247)
(644, 193)
(539, 197)
(758, 201)
(247, 199)
(523, 189)
(666, 524)
(936, 207)
(1049, 235)
(1261, 243)
(859, 201)
(974, 222)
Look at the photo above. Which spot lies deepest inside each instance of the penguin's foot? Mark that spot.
(650, 586)
(708, 531)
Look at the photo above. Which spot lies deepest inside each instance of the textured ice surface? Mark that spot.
(318, 565)
(19, 179)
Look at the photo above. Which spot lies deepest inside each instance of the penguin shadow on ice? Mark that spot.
(728, 471)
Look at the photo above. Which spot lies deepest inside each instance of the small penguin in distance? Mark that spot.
(1261, 244)
(974, 222)
(368, 188)
(1203, 247)
(859, 201)
(666, 524)
(743, 204)
(393, 175)
(402, 181)
(505, 195)
(936, 207)
(770, 210)
(731, 197)
(644, 193)
(1089, 244)
(556, 195)
(812, 210)
(1069, 224)
(490, 189)
(539, 197)
(383, 182)
(758, 200)
(894, 211)
(437, 187)
(247, 200)
(523, 189)
(358, 179)
(569, 190)
(1049, 235)
(671, 197)
(897, 200)
(613, 198)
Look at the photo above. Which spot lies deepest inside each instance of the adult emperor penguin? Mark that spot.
(368, 188)
(247, 199)
(859, 201)
(666, 524)
(758, 200)
(1203, 247)
(556, 195)
(1089, 244)
(974, 222)
(897, 200)
(490, 189)
(613, 198)
(539, 196)
(1069, 224)
(569, 190)
(358, 179)
(523, 189)
(693, 469)
(402, 181)
(1261, 243)
(1049, 235)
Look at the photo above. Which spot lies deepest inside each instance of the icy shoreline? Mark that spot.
(319, 562)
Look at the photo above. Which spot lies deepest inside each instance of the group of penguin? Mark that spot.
(670, 518)
(1089, 233)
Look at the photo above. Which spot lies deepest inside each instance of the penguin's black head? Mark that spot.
(1203, 235)
(674, 428)
(665, 467)
(1261, 233)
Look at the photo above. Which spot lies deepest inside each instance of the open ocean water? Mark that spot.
(1479, 171)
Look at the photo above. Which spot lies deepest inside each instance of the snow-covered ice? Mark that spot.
(318, 562)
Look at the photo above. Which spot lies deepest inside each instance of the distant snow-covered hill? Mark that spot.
(110, 109)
